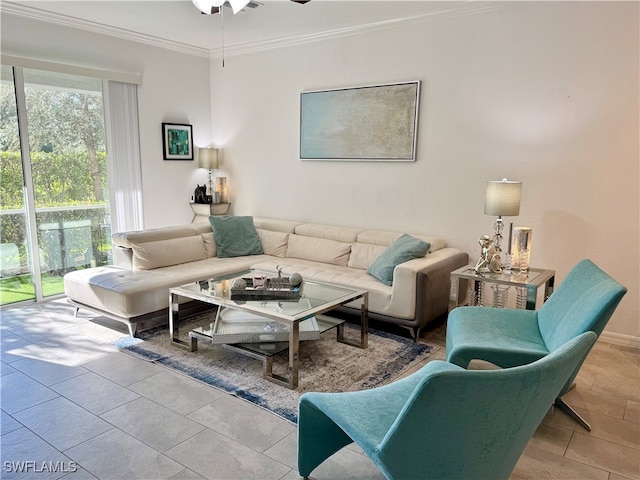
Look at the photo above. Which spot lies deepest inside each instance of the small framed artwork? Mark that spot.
(177, 141)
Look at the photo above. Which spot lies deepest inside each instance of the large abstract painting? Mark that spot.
(375, 123)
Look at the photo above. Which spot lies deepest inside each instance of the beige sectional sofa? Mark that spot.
(149, 262)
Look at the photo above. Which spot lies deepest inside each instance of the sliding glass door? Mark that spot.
(54, 198)
(16, 272)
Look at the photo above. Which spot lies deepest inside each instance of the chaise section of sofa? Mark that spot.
(149, 262)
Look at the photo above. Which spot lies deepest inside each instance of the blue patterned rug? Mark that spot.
(325, 365)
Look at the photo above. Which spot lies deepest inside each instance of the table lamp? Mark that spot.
(208, 158)
(502, 198)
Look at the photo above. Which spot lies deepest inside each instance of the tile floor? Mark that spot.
(75, 407)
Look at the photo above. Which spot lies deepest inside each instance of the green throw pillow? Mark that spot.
(403, 249)
(235, 236)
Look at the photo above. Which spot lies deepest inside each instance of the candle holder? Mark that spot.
(521, 248)
(221, 189)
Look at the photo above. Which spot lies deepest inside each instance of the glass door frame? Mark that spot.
(28, 189)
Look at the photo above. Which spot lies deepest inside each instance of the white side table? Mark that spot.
(201, 211)
(525, 285)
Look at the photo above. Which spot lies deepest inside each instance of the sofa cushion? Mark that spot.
(364, 254)
(386, 238)
(275, 225)
(129, 239)
(403, 249)
(126, 293)
(273, 243)
(235, 236)
(319, 250)
(210, 244)
(163, 253)
(378, 237)
(339, 234)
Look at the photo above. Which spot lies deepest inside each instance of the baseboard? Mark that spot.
(619, 339)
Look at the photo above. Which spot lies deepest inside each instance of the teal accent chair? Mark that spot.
(441, 422)
(583, 302)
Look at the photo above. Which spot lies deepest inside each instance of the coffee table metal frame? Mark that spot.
(218, 294)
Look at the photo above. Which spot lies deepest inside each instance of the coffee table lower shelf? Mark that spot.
(266, 351)
(318, 298)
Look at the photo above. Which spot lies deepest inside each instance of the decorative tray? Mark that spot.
(266, 288)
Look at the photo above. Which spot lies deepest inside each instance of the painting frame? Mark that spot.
(364, 123)
(177, 141)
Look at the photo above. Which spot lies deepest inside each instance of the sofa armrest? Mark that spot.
(423, 285)
(434, 286)
(123, 257)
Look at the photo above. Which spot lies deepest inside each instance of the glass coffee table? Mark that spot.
(316, 299)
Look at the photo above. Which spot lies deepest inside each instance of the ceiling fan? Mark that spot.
(210, 7)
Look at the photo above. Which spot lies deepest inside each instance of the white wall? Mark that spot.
(175, 88)
(546, 93)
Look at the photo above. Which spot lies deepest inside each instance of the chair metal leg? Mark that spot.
(562, 405)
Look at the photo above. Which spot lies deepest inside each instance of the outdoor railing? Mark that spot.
(69, 238)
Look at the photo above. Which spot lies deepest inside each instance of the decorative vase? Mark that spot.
(221, 189)
(521, 248)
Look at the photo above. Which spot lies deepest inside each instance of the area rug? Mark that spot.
(325, 364)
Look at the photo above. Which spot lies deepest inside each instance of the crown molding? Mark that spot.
(93, 27)
(294, 40)
(462, 9)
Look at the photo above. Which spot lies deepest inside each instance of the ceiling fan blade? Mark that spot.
(237, 5)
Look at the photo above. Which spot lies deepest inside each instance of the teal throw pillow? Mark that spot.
(235, 236)
(403, 249)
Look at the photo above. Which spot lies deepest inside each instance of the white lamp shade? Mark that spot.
(503, 198)
(208, 158)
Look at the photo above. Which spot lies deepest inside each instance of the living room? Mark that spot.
(527, 91)
(541, 92)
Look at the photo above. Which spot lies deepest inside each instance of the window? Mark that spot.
(54, 196)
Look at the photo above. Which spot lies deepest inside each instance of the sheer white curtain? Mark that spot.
(123, 155)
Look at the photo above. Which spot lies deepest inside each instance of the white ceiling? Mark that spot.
(179, 24)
